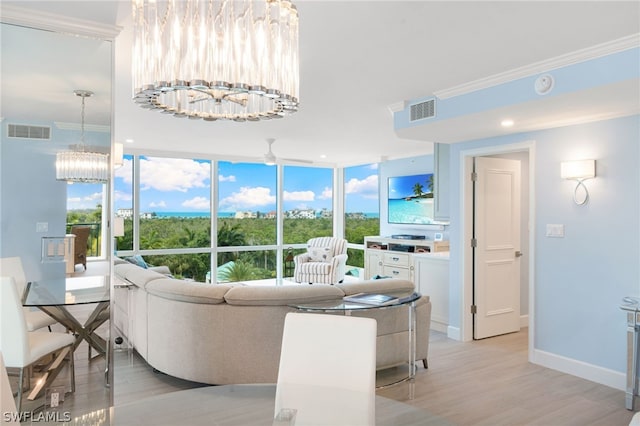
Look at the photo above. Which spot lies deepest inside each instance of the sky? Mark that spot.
(402, 186)
(184, 185)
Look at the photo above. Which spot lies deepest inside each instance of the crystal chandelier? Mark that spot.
(80, 164)
(216, 59)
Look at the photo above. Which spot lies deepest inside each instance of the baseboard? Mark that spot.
(438, 326)
(454, 333)
(524, 321)
(581, 369)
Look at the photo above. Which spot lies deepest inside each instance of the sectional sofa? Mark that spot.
(231, 333)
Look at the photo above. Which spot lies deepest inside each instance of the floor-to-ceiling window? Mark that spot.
(362, 208)
(258, 225)
(246, 221)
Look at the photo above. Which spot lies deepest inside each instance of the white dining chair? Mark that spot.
(8, 407)
(36, 319)
(327, 372)
(22, 348)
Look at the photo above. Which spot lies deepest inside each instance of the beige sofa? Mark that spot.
(231, 333)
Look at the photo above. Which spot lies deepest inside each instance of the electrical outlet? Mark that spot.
(55, 399)
(54, 396)
(42, 227)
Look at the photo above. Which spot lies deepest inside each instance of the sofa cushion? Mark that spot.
(188, 291)
(281, 295)
(136, 275)
(376, 286)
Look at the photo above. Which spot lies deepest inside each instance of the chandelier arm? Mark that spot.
(226, 97)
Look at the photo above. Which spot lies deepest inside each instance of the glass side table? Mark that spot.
(345, 307)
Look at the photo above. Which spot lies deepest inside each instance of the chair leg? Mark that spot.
(20, 384)
(425, 364)
(72, 370)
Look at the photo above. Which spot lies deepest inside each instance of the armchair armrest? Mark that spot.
(301, 258)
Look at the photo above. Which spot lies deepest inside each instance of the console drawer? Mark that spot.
(397, 259)
(392, 272)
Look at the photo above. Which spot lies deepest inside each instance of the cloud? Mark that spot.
(230, 178)
(122, 196)
(367, 187)
(199, 203)
(327, 193)
(157, 204)
(124, 172)
(173, 174)
(248, 198)
(299, 196)
(93, 197)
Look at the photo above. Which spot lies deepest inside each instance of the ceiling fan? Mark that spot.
(270, 159)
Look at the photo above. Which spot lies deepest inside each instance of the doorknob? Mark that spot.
(518, 253)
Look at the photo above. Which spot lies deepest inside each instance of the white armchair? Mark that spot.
(324, 262)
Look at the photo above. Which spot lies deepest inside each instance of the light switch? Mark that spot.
(42, 227)
(555, 230)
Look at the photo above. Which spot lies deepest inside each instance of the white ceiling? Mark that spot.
(360, 57)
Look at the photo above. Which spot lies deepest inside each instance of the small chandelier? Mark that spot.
(216, 59)
(79, 164)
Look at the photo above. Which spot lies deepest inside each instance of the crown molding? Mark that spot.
(582, 55)
(16, 15)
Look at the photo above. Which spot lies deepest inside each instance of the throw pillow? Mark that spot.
(137, 260)
(320, 254)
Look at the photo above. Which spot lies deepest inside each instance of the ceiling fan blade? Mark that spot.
(296, 160)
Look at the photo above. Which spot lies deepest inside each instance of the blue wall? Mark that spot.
(403, 167)
(579, 279)
(30, 194)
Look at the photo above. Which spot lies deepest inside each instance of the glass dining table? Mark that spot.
(253, 404)
(55, 296)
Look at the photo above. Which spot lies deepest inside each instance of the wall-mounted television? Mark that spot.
(410, 200)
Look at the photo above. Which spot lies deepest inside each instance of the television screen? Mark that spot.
(410, 199)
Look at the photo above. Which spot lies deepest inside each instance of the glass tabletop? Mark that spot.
(398, 299)
(67, 291)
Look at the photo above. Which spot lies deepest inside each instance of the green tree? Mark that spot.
(241, 271)
(417, 189)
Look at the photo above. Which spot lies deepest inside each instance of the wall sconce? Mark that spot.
(579, 171)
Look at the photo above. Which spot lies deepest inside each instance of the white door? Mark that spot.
(496, 290)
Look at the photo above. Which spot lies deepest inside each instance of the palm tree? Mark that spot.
(230, 235)
(240, 271)
(417, 189)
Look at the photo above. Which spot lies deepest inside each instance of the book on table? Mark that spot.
(371, 299)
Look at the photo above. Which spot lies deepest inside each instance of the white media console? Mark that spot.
(425, 262)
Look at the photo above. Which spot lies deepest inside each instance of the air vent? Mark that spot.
(29, 132)
(426, 109)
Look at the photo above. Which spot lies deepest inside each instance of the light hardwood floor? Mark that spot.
(486, 382)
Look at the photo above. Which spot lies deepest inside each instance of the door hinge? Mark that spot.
(474, 243)
(474, 176)
(474, 309)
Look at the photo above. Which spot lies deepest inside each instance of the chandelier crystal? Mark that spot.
(216, 59)
(80, 164)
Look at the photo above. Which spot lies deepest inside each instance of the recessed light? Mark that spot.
(506, 123)
(323, 156)
(128, 140)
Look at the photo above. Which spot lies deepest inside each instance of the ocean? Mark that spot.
(419, 212)
(222, 215)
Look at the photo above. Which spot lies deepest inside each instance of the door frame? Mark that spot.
(466, 220)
